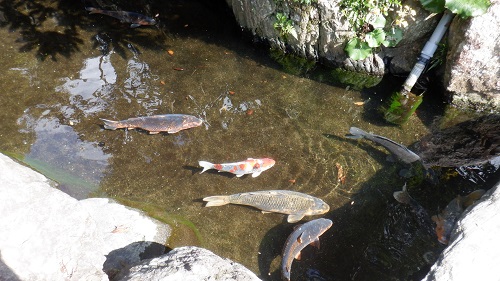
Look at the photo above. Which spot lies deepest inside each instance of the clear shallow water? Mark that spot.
(54, 94)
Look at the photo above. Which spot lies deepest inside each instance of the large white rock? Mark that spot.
(189, 264)
(473, 252)
(47, 235)
(473, 63)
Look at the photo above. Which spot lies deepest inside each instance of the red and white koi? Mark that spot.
(249, 166)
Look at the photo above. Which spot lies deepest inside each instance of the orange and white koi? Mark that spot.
(249, 166)
(446, 220)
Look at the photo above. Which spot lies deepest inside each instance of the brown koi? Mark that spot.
(170, 123)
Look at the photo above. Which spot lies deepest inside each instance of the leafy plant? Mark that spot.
(358, 11)
(439, 56)
(368, 18)
(463, 8)
(283, 24)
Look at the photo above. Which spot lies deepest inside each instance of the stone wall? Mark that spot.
(472, 73)
(320, 32)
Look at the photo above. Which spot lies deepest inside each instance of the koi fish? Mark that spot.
(399, 150)
(170, 123)
(124, 16)
(446, 220)
(249, 166)
(294, 204)
(305, 234)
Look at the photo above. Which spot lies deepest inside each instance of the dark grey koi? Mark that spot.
(135, 19)
(399, 150)
(305, 234)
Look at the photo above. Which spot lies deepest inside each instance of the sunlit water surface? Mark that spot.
(53, 96)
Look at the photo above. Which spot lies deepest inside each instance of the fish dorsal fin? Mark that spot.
(315, 243)
(295, 217)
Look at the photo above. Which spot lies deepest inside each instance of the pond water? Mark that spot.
(63, 69)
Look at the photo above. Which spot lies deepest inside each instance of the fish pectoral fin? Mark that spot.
(299, 239)
(238, 175)
(256, 174)
(298, 256)
(295, 217)
(153, 133)
(172, 131)
(266, 212)
(315, 243)
(134, 25)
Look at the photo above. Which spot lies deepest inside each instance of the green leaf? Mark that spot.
(357, 49)
(375, 38)
(468, 8)
(376, 21)
(434, 6)
(392, 37)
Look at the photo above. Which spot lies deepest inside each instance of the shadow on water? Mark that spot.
(373, 236)
(51, 28)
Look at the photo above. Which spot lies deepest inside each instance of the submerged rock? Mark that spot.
(47, 235)
(467, 143)
(472, 253)
(188, 263)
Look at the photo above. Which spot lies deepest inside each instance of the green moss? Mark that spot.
(60, 176)
(184, 232)
(400, 107)
(355, 80)
(292, 64)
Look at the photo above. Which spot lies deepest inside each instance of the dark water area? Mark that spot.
(63, 69)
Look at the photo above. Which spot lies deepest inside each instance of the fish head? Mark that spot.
(440, 231)
(147, 21)
(320, 207)
(191, 121)
(267, 163)
(444, 226)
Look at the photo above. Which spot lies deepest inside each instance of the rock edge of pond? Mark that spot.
(47, 235)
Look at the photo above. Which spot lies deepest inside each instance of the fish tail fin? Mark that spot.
(92, 10)
(110, 124)
(205, 165)
(216, 200)
(402, 196)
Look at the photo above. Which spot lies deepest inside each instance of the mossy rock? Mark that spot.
(292, 64)
(356, 80)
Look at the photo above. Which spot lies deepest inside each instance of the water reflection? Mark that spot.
(58, 152)
(92, 89)
(138, 86)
